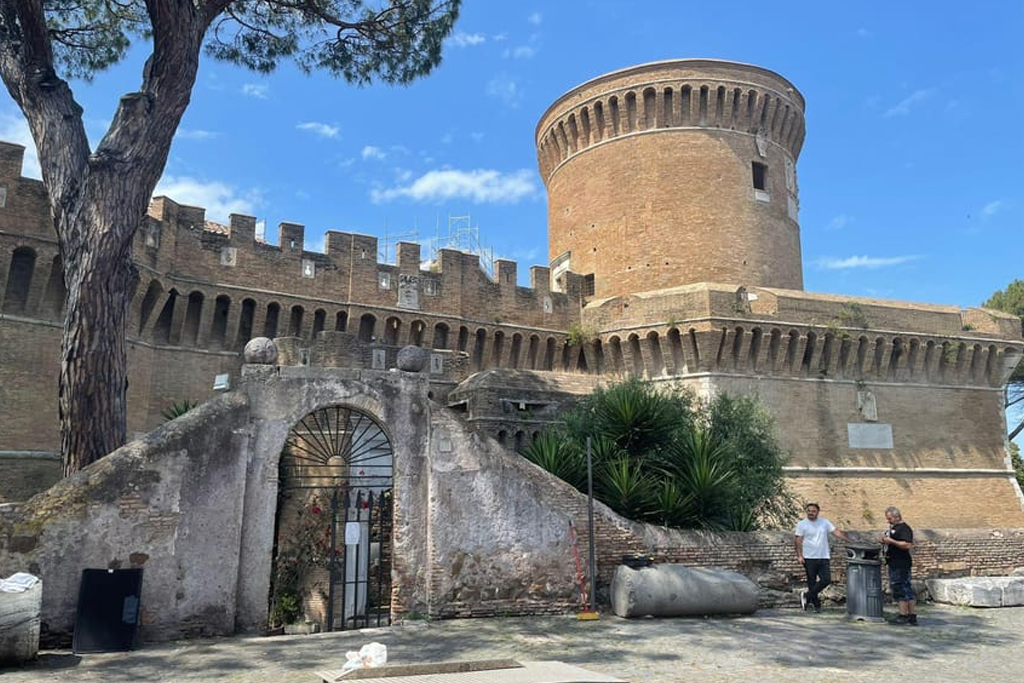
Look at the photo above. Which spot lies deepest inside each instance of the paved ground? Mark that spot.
(774, 646)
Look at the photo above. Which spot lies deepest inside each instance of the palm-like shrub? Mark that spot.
(667, 458)
(177, 409)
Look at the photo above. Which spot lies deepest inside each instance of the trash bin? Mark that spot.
(864, 582)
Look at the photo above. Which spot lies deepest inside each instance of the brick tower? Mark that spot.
(672, 173)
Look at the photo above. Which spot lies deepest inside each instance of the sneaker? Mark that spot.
(803, 600)
(912, 619)
(817, 609)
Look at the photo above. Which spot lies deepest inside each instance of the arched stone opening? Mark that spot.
(333, 545)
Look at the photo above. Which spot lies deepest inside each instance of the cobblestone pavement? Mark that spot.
(773, 646)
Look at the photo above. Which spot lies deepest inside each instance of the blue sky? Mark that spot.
(911, 174)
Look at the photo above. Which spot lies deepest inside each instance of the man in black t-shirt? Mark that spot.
(898, 542)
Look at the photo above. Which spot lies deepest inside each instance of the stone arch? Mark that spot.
(675, 344)
(636, 355)
(335, 469)
(296, 318)
(367, 325)
(774, 344)
(754, 353)
(149, 300)
(498, 346)
(55, 296)
(19, 280)
(549, 355)
(618, 364)
(515, 350)
(193, 316)
(319, 322)
(219, 325)
(532, 352)
(341, 321)
(476, 362)
(272, 320)
(440, 336)
(246, 321)
(657, 361)
(287, 405)
(392, 326)
(162, 329)
(416, 330)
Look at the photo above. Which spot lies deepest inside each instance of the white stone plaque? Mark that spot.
(863, 435)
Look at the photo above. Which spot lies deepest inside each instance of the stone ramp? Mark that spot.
(479, 671)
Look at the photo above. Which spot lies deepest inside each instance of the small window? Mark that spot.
(588, 285)
(384, 280)
(760, 173)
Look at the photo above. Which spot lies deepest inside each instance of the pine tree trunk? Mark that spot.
(93, 372)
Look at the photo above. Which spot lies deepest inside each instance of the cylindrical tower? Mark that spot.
(672, 173)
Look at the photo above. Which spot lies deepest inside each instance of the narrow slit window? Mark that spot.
(760, 175)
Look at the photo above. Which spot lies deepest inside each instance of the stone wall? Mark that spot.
(477, 530)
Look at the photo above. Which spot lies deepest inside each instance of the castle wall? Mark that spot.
(478, 530)
(205, 289)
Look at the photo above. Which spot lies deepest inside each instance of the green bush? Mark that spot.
(667, 458)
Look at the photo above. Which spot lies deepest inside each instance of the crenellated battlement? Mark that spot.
(664, 96)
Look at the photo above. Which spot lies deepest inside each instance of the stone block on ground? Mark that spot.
(19, 623)
(979, 591)
(670, 590)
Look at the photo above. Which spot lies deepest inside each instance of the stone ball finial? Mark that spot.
(260, 351)
(413, 358)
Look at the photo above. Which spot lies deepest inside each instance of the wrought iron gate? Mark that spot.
(333, 546)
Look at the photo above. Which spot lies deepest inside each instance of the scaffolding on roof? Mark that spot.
(462, 236)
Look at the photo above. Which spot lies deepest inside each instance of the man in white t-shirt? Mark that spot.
(812, 552)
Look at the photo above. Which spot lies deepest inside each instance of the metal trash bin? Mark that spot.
(864, 582)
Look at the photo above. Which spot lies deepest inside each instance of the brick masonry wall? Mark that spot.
(769, 558)
(687, 197)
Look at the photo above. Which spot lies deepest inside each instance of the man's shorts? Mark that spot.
(899, 583)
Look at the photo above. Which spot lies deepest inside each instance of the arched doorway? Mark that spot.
(332, 537)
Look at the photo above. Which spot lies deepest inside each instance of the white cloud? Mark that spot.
(187, 134)
(536, 18)
(467, 39)
(992, 208)
(524, 52)
(915, 98)
(256, 90)
(321, 129)
(14, 128)
(371, 152)
(505, 89)
(219, 199)
(478, 186)
(870, 262)
(839, 222)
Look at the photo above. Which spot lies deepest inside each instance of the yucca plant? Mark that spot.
(623, 484)
(177, 409)
(560, 456)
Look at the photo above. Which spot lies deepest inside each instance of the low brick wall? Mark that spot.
(769, 557)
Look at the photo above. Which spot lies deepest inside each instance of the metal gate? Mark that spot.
(332, 551)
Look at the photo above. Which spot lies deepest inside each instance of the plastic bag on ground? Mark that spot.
(369, 656)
